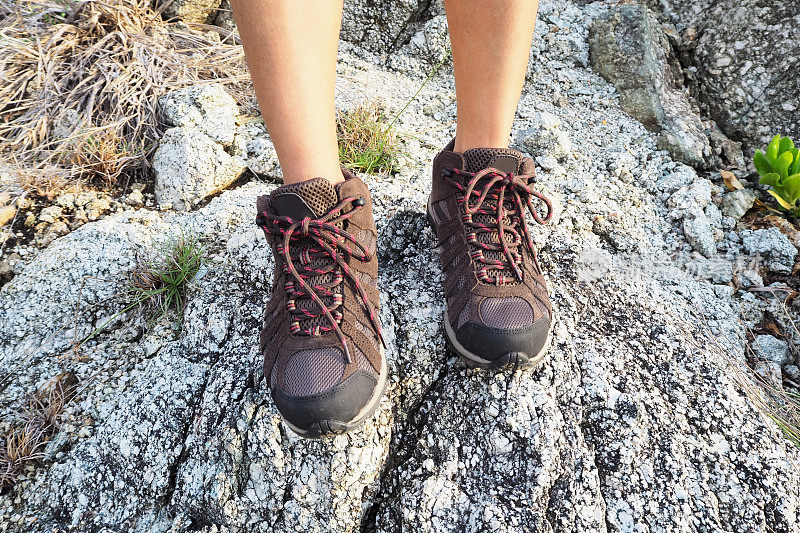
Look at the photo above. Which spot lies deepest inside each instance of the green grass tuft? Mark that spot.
(367, 143)
(159, 283)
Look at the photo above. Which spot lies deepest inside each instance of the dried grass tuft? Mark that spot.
(79, 82)
(103, 155)
(25, 440)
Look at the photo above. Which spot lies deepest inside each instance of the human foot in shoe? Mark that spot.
(498, 310)
(321, 340)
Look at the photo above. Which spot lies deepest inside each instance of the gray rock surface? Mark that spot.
(383, 27)
(743, 54)
(207, 108)
(772, 245)
(189, 166)
(736, 203)
(636, 421)
(252, 144)
(546, 137)
(679, 177)
(771, 349)
(426, 48)
(715, 270)
(224, 16)
(750, 278)
(206, 150)
(702, 220)
(769, 372)
(693, 197)
(700, 234)
(629, 49)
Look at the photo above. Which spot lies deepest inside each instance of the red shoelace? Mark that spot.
(500, 198)
(312, 248)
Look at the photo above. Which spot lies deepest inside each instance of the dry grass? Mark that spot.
(103, 155)
(80, 82)
(367, 141)
(777, 403)
(25, 439)
(47, 181)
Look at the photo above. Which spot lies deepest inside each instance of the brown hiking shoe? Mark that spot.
(321, 340)
(498, 310)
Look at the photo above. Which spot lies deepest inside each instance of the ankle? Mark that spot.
(465, 143)
(332, 174)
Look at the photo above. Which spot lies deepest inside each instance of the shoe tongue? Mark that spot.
(503, 159)
(311, 198)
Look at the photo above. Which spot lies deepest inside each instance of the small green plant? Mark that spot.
(365, 142)
(780, 169)
(159, 283)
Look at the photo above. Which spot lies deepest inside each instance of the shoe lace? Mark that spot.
(317, 249)
(494, 205)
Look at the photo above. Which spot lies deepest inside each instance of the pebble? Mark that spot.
(771, 349)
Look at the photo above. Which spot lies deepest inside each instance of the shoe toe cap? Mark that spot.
(331, 412)
(507, 345)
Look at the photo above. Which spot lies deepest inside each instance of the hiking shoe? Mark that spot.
(498, 310)
(322, 346)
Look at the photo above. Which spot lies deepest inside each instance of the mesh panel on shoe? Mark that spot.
(463, 316)
(362, 361)
(318, 194)
(506, 313)
(440, 212)
(310, 372)
(476, 159)
(368, 333)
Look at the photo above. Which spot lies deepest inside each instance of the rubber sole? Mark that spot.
(332, 427)
(520, 360)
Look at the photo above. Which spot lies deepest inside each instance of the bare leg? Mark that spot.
(291, 51)
(491, 42)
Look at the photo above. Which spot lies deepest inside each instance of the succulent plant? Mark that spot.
(780, 169)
